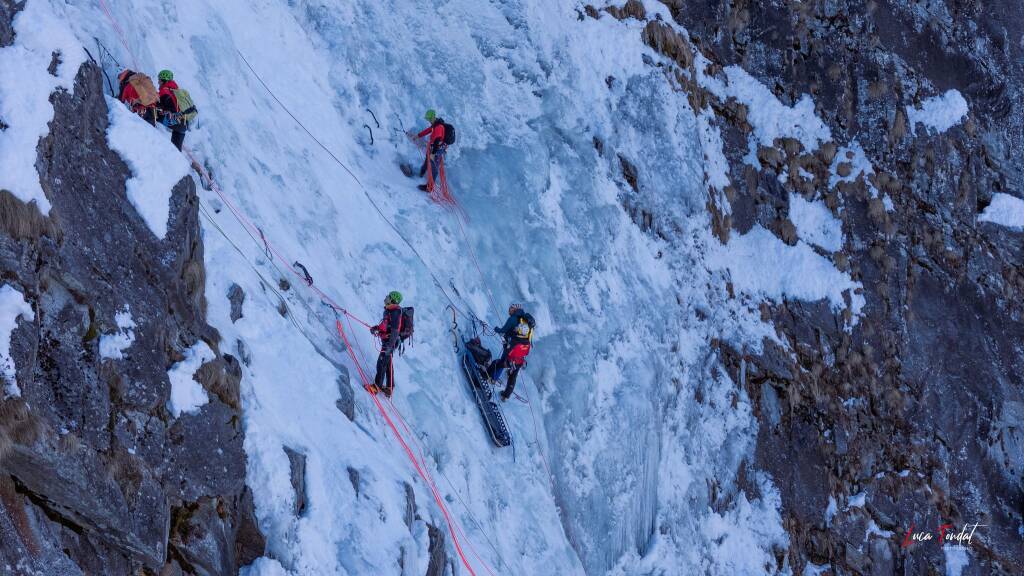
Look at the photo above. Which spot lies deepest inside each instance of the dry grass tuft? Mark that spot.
(24, 221)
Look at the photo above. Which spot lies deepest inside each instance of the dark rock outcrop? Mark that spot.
(96, 476)
(297, 470)
(237, 297)
(912, 409)
(346, 401)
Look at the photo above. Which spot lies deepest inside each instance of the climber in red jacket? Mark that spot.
(169, 109)
(435, 149)
(142, 104)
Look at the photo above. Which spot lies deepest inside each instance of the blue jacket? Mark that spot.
(507, 332)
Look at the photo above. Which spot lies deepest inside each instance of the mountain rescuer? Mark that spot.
(176, 108)
(518, 336)
(436, 147)
(389, 331)
(138, 93)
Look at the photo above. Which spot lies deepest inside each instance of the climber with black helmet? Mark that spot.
(436, 147)
(389, 331)
(517, 333)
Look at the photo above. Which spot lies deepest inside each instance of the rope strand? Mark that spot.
(273, 253)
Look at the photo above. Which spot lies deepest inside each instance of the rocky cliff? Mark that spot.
(96, 476)
(912, 419)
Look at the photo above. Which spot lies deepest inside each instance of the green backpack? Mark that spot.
(186, 107)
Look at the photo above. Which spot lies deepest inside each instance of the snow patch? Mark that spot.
(815, 223)
(155, 164)
(739, 540)
(12, 306)
(264, 567)
(769, 117)
(187, 395)
(811, 569)
(874, 530)
(939, 113)
(761, 264)
(113, 345)
(856, 501)
(957, 559)
(715, 163)
(853, 155)
(1004, 210)
(25, 88)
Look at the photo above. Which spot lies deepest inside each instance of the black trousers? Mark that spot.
(385, 372)
(177, 138)
(513, 369)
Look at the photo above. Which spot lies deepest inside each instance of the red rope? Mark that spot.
(450, 200)
(362, 374)
(423, 458)
(120, 33)
(453, 527)
(424, 474)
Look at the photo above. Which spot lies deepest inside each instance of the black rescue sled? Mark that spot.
(475, 359)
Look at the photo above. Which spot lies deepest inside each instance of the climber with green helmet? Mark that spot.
(175, 108)
(390, 331)
(441, 135)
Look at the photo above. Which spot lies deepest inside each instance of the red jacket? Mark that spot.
(168, 101)
(129, 95)
(390, 327)
(436, 131)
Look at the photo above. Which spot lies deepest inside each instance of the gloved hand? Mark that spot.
(375, 331)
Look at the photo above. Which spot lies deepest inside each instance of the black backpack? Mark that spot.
(406, 324)
(449, 134)
(481, 355)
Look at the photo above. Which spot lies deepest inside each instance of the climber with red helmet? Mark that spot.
(517, 333)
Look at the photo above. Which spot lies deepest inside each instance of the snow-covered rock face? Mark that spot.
(95, 477)
(554, 113)
(894, 411)
(706, 239)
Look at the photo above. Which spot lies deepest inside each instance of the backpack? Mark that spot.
(449, 134)
(406, 324)
(524, 330)
(186, 107)
(481, 355)
(148, 95)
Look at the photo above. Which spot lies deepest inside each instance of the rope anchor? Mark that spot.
(308, 278)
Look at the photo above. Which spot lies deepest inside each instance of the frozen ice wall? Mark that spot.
(643, 432)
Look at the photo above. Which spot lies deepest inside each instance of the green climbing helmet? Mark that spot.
(395, 297)
(165, 75)
(430, 115)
